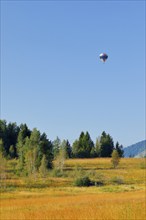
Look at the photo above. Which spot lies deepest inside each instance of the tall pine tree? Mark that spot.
(83, 147)
(106, 145)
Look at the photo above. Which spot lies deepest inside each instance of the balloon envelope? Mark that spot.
(103, 57)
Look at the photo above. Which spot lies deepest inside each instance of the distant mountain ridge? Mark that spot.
(136, 150)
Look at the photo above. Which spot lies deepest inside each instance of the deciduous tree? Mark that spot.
(115, 158)
(43, 167)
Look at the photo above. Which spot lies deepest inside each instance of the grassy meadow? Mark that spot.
(120, 194)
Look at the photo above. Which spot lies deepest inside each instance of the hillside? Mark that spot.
(136, 150)
(142, 154)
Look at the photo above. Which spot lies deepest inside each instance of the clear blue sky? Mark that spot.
(51, 75)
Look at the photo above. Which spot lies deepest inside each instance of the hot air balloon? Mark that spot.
(103, 57)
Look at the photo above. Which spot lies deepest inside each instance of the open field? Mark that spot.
(73, 205)
(57, 198)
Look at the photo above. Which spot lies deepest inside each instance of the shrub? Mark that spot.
(83, 181)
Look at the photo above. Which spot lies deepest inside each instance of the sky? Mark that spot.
(52, 78)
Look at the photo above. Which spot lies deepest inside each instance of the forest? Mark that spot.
(32, 147)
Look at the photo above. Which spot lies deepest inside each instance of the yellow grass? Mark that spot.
(129, 168)
(103, 163)
(47, 205)
(58, 199)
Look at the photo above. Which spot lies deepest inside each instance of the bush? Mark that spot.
(83, 181)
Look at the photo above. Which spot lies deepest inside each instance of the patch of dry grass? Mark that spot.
(48, 205)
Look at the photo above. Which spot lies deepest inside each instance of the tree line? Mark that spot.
(32, 147)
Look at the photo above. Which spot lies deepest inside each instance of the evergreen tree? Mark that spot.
(106, 145)
(68, 149)
(88, 145)
(25, 131)
(3, 128)
(46, 149)
(119, 149)
(8, 134)
(78, 146)
(11, 138)
(84, 147)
